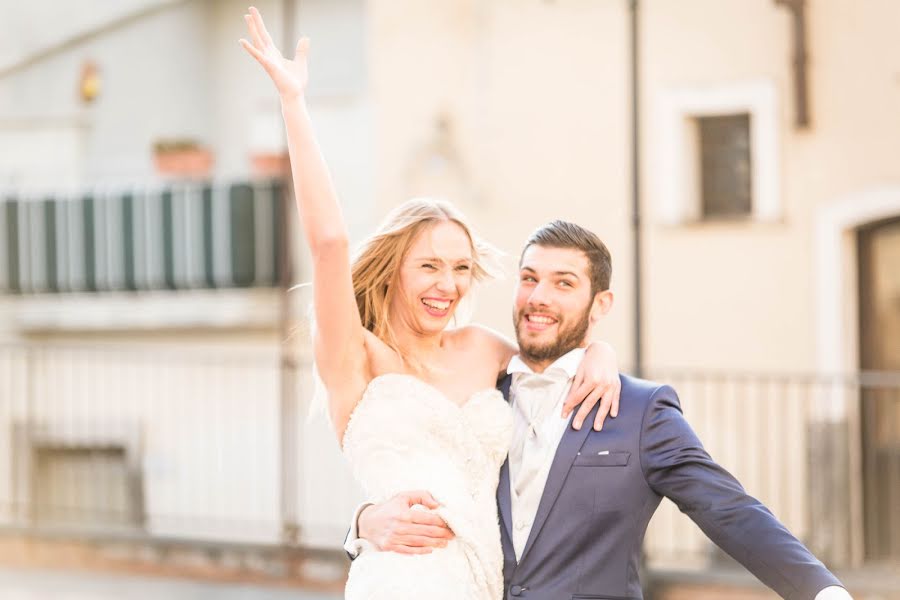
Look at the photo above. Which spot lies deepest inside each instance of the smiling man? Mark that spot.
(574, 504)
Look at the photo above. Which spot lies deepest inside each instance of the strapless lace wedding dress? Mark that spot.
(407, 435)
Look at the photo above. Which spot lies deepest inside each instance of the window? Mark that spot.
(716, 153)
(725, 166)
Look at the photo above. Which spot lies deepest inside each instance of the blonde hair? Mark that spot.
(376, 266)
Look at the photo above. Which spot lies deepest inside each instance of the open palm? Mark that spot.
(289, 76)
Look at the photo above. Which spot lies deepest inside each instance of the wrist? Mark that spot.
(292, 98)
(604, 347)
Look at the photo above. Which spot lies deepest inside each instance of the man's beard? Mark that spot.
(569, 338)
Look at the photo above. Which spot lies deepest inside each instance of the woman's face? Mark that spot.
(434, 276)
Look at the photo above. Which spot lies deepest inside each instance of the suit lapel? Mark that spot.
(503, 499)
(568, 448)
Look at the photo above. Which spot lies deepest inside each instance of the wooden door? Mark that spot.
(879, 302)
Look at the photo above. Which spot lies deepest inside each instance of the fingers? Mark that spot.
(399, 549)
(585, 408)
(438, 533)
(420, 497)
(576, 395)
(412, 537)
(603, 409)
(426, 518)
(260, 26)
(254, 32)
(420, 541)
(302, 50)
(422, 531)
(253, 51)
(617, 390)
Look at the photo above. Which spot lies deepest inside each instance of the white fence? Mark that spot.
(161, 442)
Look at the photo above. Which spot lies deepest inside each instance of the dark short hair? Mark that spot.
(563, 234)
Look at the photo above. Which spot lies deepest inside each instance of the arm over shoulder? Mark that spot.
(496, 347)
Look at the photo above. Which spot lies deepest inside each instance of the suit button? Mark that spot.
(516, 590)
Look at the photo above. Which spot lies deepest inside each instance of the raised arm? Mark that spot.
(339, 344)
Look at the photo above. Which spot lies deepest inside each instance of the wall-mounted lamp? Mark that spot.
(89, 82)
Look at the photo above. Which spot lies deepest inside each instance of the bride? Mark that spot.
(412, 401)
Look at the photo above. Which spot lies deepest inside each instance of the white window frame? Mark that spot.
(678, 184)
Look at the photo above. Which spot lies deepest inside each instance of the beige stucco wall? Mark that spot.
(743, 295)
(533, 91)
(537, 96)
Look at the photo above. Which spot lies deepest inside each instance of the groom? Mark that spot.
(574, 504)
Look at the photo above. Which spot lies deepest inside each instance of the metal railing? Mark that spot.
(803, 445)
(158, 442)
(191, 235)
(178, 443)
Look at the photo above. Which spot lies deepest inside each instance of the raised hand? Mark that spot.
(289, 76)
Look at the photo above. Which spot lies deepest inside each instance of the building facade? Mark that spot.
(768, 192)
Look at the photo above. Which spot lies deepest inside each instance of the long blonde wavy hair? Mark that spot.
(376, 266)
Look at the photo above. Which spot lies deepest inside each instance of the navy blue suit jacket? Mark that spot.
(602, 489)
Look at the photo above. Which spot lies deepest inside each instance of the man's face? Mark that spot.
(553, 302)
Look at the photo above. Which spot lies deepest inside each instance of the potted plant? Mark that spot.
(182, 158)
(270, 164)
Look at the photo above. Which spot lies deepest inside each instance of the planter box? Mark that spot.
(270, 164)
(189, 163)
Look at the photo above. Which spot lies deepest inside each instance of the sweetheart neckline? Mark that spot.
(431, 386)
(444, 399)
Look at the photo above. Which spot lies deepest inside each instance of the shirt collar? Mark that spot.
(568, 363)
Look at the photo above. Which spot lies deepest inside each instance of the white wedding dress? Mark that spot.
(406, 435)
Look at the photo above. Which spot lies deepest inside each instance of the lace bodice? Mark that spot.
(405, 434)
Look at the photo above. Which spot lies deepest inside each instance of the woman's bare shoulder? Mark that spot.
(485, 343)
(480, 334)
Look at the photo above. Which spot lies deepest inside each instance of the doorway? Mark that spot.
(879, 329)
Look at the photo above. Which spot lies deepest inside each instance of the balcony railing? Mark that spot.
(185, 236)
(162, 442)
(805, 446)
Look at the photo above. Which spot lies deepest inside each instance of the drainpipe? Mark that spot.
(797, 8)
(634, 14)
(289, 410)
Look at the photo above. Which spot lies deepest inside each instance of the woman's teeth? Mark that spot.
(437, 304)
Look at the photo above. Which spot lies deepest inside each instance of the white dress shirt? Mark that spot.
(834, 592)
(538, 427)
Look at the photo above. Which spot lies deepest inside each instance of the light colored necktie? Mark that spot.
(536, 398)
